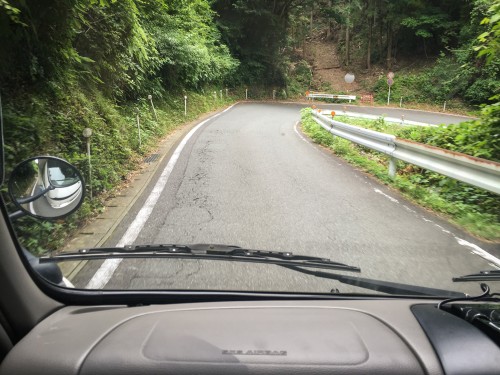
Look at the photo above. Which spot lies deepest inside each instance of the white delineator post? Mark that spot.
(87, 132)
(150, 97)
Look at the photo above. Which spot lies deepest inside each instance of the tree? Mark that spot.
(256, 33)
(490, 39)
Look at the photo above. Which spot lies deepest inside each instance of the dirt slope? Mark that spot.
(327, 68)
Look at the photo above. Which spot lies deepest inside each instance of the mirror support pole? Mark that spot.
(90, 167)
(16, 215)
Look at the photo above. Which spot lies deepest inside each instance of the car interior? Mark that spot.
(47, 329)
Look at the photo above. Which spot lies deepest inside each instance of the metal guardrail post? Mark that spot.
(392, 167)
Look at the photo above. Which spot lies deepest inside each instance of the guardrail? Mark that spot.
(312, 95)
(401, 121)
(474, 171)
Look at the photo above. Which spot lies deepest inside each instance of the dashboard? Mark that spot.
(264, 337)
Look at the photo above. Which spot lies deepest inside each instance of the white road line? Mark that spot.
(494, 261)
(491, 259)
(298, 133)
(107, 269)
(385, 195)
(311, 144)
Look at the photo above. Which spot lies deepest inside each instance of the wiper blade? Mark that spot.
(381, 286)
(493, 275)
(202, 251)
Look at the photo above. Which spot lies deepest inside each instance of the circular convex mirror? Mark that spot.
(46, 187)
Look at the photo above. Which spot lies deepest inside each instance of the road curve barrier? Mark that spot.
(478, 172)
(313, 95)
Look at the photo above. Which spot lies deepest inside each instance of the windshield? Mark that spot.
(328, 147)
(59, 178)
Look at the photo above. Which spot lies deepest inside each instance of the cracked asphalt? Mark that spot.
(249, 178)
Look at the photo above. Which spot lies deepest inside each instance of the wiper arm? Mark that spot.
(380, 286)
(202, 251)
(493, 275)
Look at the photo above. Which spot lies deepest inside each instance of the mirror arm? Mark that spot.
(35, 197)
(16, 215)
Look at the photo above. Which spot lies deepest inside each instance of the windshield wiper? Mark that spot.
(285, 259)
(202, 251)
(493, 275)
(381, 286)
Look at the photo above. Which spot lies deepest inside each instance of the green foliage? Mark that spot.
(490, 39)
(44, 125)
(434, 23)
(448, 78)
(10, 10)
(479, 138)
(298, 78)
(188, 43)
(256, 34)
(125, 48)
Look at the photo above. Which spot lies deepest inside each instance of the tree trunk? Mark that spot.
(329, 30)
(389, 45)
(369, 47)
(347, 45)
(380, 40)
(311, 20)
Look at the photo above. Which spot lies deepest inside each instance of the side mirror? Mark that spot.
(46, 187)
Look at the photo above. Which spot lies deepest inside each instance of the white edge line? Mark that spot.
(491, 259)
(109, 266)
(298, 133)
(385, 195)
(494, 261)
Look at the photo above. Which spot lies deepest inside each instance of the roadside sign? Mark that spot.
(390, 75)
(333, 113)
(390, 81)
(349, 78)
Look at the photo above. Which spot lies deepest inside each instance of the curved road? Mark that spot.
(249, 178)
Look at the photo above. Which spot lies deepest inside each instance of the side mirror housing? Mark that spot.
(46, 187)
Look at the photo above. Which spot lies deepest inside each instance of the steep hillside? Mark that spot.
(328, 74)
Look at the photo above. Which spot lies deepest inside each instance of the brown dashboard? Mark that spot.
(304, 337)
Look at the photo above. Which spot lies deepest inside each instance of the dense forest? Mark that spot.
(67, 65)
(71, 64)
(130, 47)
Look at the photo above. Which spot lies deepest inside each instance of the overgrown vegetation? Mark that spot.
(472, 208)
(114, 143)
(70, 65)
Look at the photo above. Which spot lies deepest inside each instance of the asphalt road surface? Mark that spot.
(250, 178)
